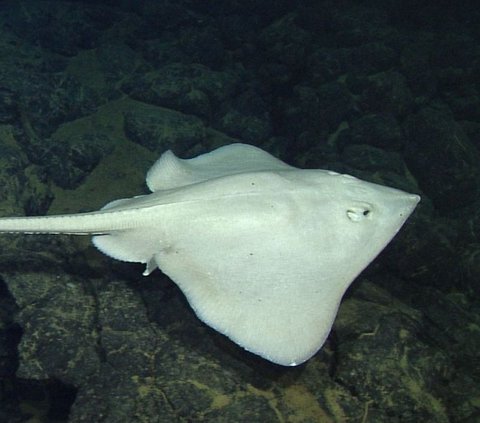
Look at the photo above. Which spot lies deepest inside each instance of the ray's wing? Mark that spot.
(169, 171)
(260, 284)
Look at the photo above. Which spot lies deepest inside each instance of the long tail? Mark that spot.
(92, 223)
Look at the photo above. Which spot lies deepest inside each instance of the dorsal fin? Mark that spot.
(171, 172)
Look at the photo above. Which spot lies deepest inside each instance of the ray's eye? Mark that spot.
(359, 213)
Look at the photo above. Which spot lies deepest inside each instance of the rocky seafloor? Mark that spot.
(91, 93)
